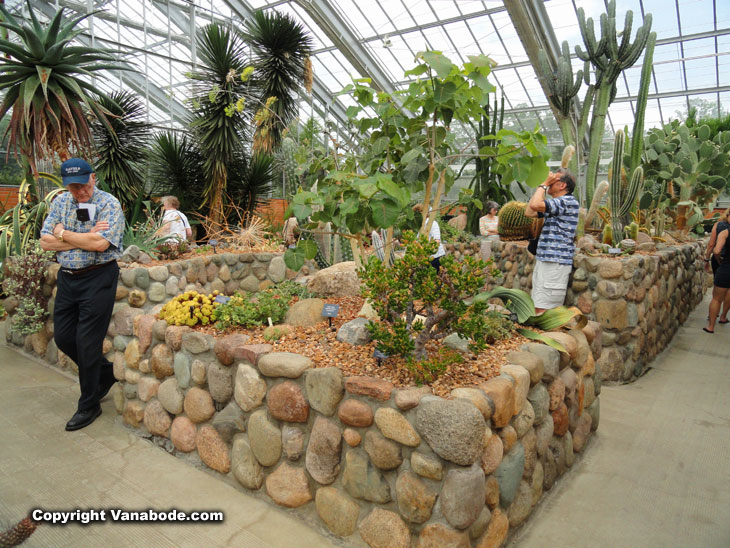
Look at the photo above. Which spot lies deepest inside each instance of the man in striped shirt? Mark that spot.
(557, 241)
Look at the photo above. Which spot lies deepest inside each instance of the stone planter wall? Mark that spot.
(367, 462)
(639, 300)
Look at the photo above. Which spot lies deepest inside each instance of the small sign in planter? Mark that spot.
(330, 311)
(379, 356)
(615, 251)
(222, 299)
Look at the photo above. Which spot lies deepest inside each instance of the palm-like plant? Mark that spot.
(175, 168)
(281, 49)
(121, 151)
(255, 183)
(41, 77)
(219, 118)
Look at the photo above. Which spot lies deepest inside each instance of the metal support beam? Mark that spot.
(663, 95)
(82, 8)
(533, 26)
(337, 30)
(175, 14)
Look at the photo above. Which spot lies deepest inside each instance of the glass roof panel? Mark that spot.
(393, 31)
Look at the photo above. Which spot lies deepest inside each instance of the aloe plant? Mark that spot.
(45, 85)
(20, 225)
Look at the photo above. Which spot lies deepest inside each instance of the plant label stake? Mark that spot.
(379, 356)
(330, 311)
(222, 299)
(214, 244)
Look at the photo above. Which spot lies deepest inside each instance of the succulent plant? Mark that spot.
(513, 224)
(623, 195)
(687, 160)
(609, 59)
(42, 81)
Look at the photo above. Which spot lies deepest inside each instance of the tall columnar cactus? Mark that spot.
(609, 59)
(598, 196)
(513, 223)
(289, 165)
(622, 196)
(637, 135)
(563, 87)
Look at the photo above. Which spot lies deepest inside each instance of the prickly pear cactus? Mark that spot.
(513, 224)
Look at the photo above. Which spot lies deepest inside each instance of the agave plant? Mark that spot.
(21, 224)
(520, 303)
(41, 77)
(219, 117)
(280, 47)
(121, 152)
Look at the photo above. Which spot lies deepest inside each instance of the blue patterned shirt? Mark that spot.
(63, 210)
(556, 243)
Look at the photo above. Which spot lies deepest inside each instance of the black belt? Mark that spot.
(77, 271)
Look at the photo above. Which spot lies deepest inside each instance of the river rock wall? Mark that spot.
(367, 462)
(640, 300)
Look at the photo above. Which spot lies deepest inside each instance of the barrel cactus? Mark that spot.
(513, 224)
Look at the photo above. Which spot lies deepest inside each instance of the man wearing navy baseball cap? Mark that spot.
(84, 227)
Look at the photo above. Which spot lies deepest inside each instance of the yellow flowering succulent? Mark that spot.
(190, 308)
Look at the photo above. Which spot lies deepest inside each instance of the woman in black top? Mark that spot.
(722, 278)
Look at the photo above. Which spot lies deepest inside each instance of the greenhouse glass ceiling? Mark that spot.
(380, 38)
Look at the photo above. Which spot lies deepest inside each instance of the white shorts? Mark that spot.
(549, 284)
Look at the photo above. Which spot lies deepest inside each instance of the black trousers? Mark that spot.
(84, 305)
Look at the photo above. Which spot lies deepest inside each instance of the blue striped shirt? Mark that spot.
(63, 210)
(557, 240)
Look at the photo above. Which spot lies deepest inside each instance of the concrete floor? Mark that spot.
(657, 474)
(105, 465)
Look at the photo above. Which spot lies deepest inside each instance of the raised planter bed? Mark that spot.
(640, 300)
(390, 467)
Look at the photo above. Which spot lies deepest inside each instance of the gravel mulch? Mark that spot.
(319, 343)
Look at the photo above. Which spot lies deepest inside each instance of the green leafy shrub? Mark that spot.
(417, 304)
(430, 369)
(24, 281)
(191, 308)
(268, 305)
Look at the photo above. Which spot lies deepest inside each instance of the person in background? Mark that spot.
(488, 223)
(721, 282)
(174, 223)
(435, 235)
(554, 259)
(722, 224)
(85, 227)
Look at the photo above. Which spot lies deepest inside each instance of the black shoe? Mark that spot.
(104, 389)
(82, 419)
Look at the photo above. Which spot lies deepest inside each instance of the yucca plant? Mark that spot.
(41, 75)
(219, 118)
(121, 152)
(280, 49)
(175, 168)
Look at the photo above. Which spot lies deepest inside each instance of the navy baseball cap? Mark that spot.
(75, 170)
